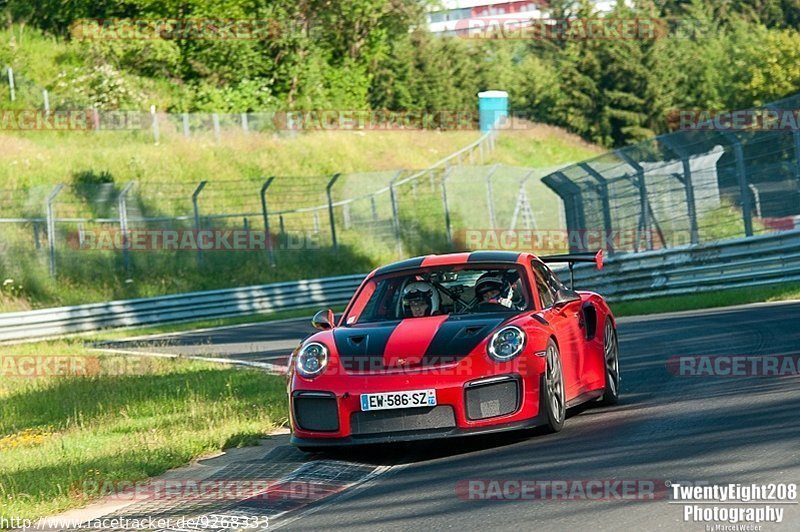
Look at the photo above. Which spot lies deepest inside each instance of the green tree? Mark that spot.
(628, 85)
(580, 105)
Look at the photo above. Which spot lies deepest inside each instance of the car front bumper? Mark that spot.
(333, 417)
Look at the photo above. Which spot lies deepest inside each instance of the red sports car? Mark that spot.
(452, 345)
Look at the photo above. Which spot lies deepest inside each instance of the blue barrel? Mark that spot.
(493, 107)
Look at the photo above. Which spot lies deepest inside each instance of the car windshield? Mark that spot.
(451, 290)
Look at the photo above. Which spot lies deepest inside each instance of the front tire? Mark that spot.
(611, 364)
(311, 450)
(554, 396)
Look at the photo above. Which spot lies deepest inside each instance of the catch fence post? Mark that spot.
(490, 196)
(196, 208)
(329, 192)
(265, 214)
(123, 226)
(448, 229)
(51, 227)
(396, 213)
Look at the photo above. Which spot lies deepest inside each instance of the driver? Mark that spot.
(420, 299)
(489, 290)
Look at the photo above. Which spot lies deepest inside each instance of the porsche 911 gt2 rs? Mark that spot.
(453, 345)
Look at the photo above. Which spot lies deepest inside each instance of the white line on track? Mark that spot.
(271, 368)
(349, 491)
(205, 330)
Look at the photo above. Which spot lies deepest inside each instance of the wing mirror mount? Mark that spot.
(323, 320)
(564, 297)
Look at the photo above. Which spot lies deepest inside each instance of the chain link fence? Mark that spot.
(688, 187)
(710, 181)
(277, 221)
(170, 236)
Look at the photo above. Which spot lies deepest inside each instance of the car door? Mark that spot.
(566, 322)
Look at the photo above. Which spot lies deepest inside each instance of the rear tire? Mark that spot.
(611, 364)
(553, 396)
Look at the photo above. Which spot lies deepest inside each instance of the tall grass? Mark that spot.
(166, 174)
(58, 432)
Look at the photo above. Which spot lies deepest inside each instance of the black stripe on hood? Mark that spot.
(361, 348)
(459, 335)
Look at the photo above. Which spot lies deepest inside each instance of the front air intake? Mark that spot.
(492, 398)
(315, 411)
(403, 420)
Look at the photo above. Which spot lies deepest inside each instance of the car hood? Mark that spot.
(413, 342)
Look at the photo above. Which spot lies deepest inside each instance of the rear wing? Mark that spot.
(572, 258)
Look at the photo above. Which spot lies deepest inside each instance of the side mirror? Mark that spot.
(323, 320)
(565, 296)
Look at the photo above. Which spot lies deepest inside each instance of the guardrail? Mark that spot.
(181, 307)
(747, 262)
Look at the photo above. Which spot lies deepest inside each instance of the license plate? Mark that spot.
(391, 400)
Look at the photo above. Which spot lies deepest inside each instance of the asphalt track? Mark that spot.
(667, 428)
(270, 342)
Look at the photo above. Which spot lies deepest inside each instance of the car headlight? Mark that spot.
(506, 343)
(312, 359)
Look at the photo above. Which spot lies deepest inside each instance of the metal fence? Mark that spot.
(394, 213)
(738, 263)
(685, 188)
(748, 262)
(284, 221)
(701, 184)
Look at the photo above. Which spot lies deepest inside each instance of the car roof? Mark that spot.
(474, 257)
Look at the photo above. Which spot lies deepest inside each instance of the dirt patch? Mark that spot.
(535, 130)
(15, 146)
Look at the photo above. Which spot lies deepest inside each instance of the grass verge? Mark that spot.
(125, 419)
(722, 298)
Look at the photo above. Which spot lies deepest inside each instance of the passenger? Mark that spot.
(489, 290)
(420, 299)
